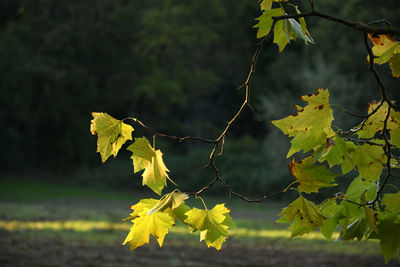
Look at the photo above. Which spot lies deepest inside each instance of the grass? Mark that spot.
(34, 210)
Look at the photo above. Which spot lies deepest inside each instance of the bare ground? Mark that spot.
(15, 250)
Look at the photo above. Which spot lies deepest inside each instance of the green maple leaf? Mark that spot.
(111, 134)
(336, 151)
(266, 5)
(392, 207)
(375, 122)
(311, 127)
(361, 190)
(303, 214)
(369, 160)
(146, 158)
(289, 29)
(395, 137)
(265, 21)
(389, 235)
(311, 177)
(213, 224)
(356, 229)
(156, 224)
(329, 209)
(387, 50)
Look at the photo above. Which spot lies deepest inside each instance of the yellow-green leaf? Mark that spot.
(329, 209)
(156, 224)
(395, 65)
(336, 151)
(171, 200)
(266, 5)
(395, 137)
(375, 122)
(361, 190)
(311, 177)
(144, 156)
(213, 224)
(142, 207)
(387, 50)
(111, 134)
(303, 214)
(311, 126)
(265, 21)
(392, 207)
(369, 160)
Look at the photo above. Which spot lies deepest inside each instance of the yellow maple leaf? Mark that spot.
(111, 134)
(146, 158)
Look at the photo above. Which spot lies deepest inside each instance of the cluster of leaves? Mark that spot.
(284, 30)
(360, 212)
(367, 151)
(156, 216)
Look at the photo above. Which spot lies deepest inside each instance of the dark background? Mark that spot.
(175, 65)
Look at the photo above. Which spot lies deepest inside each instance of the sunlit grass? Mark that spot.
(106, 232)
(84, 226)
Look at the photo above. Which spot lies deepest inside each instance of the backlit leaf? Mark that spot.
(329, 209)
(111, 134)
(303, 214)
(171, 200)
(156, 224)
(387, 50)
(395, 65)
(369, 160)
(145, 157)
(338, 151)
(266, 5)
(392, 207)
(310, 177)
(356, 229)
(311, 126)
(213, 224)
(361, 189)
(375, 122)
(265, 21)
(395, 137)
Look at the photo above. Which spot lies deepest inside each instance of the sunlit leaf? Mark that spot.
(111, 134)
(395, 137)
(156, 224)
(361, 189)
(311, 177)
(369, 160)
(387, 50)
(311, 126)
(392, 207)
(303, 214)
(329, 209)
(265, 21)
(266, 4)
(375, 122)
(213, 224)
(336, 151)
(171, 200)
(145, 157)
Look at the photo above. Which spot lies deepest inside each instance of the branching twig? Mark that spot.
(220, 140)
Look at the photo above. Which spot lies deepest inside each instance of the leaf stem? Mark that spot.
(204, 204)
